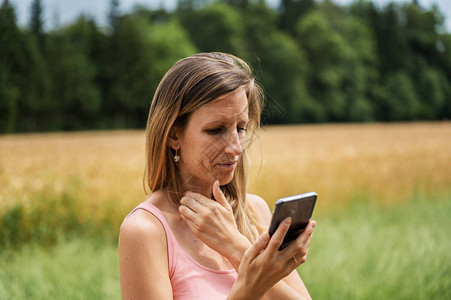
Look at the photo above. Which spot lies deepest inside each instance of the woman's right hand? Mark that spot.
(263, 265)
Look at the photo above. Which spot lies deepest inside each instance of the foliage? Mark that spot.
(12, 66)
(215, 27)
(317, 61)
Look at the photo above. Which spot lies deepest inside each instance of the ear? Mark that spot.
(174, 138)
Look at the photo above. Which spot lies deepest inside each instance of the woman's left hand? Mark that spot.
(212, 221)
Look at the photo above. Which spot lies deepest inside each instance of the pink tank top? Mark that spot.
(189, 279)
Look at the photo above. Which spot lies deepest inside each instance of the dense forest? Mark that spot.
(317, 61)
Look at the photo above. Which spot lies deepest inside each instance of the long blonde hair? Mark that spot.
(191, 83)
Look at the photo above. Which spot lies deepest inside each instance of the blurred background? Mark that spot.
(320, 61)
(358, 103)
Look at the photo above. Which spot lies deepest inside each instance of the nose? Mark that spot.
(234, 146)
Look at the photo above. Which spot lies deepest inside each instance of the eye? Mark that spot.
(214, 131)
(241, 129)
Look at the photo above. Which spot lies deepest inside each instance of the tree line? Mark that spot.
(317, 61)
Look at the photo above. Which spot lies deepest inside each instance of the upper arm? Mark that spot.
(143, 258)
(264, 214)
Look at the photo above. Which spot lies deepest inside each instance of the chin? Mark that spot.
(225, 178)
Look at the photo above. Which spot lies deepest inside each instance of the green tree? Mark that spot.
(38, 106)
(432, 94)
(326, 51)
(421, 29)
(12, 66)
(189, 5)
(444, 45)
(167, 43)
(114, 14)
(281, 67)
(360, 70)
(401, 101)
(343, 60)
(215, 27)
(36, 26)
(141, 53)
(74, 76)
(243, 4)
(425, 67)
(392, 44)
(291, 11)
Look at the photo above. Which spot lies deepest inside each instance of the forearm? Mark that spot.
(239, 291)
(282, 290)
(236, 251)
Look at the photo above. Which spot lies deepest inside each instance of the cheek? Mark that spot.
(213, 151)
(199, 152)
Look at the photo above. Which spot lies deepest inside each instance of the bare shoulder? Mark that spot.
(141, 226)
(143, 258)
(260, 206)
(257, 201)
(141, 236)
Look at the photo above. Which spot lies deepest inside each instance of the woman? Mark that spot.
(199, 235)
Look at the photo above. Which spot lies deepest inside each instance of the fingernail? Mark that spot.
(287, 221)
(264, 237)
(313, 224)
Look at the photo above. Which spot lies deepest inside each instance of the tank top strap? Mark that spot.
(172, 243)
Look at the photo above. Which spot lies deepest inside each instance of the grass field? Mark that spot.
(383, 208)
(367, 252)
(374, 252)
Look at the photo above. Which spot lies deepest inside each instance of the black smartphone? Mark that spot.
(299, 208)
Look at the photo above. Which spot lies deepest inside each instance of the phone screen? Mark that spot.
(299, 208)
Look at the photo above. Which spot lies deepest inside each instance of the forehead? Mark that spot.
(230, 107)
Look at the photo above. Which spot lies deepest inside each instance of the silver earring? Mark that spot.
(176, 157)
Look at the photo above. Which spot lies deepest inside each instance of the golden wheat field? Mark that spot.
(375, 162)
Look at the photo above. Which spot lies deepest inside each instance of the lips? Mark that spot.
(227, 165)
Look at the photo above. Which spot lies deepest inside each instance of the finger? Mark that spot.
(260, 243)
(304, 251)
(200, 199)
(187, 214)
(192, 226)
(278, 236)
(300, 246)
(307, 243)
(219, 196)
(307, 232)
(193, 202)
(297, 260)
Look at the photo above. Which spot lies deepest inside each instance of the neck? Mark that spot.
(193, 184)
(205, 189)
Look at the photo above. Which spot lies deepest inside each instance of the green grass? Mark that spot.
(363, 252)
(82, 268)
(370, 252)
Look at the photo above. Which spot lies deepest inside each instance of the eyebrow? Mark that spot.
(226, 120)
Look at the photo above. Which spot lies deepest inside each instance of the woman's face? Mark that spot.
(211, 143)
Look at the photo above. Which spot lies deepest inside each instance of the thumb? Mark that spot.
(219, 196)
(260, 243)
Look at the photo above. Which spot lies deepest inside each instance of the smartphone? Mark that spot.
(299, 208)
